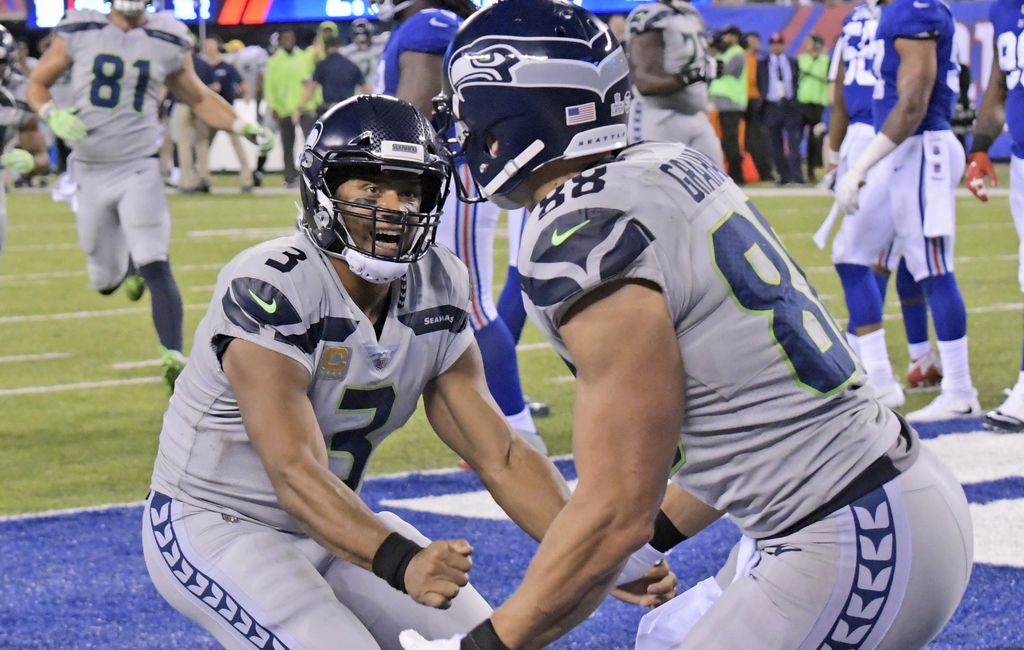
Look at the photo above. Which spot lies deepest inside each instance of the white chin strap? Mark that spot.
(372, 269)
(387, 9)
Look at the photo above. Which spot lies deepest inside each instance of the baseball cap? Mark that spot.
(234, 45)
(776, 37)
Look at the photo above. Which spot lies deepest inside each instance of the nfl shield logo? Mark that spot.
(380, 355)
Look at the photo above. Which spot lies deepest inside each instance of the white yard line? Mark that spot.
(52, 275)
(41, 247)
(85, 385)
(241, 233)
(530, 347)
(131, 365)
(17, 358)
(561, 379)
(75, 315)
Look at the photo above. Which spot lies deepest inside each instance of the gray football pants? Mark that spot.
(122, 211)
(887, 571)
(252, 586)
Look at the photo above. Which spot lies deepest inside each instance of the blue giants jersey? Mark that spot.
(1007, 18)
(857, 46)
(917, 19)
(428, 31)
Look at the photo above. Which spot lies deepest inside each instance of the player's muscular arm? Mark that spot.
(54, 62)
(419, 79)
(915, 81)
(646, 53)
(687, 513)
(839, 119)
(992, 113)
(207, 104)
(280, 422)
(628, 415)
(523, 481)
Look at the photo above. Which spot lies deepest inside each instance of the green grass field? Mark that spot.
(81, 406)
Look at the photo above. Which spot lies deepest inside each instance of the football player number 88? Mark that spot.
(107, 72)
(764, 280)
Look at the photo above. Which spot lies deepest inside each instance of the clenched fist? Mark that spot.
(435, 574)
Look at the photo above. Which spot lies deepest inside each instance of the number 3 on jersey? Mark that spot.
(764, 280)
(107, 71)
(356, 445)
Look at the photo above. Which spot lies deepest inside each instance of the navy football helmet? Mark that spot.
(531, 82)
(8, 53)
(370, 136)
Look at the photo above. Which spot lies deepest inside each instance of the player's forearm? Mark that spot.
(907, 115)
(581, 555)
(656, 83)
(992, 114)
(37, 94)
(215, 111)
(529, 488)
(328, 510)
(839, 121)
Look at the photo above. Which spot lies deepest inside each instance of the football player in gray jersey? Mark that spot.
(671, 68)
(22, 143)
(365, 46)
(315, 348)
(701, 352)
(118, 64)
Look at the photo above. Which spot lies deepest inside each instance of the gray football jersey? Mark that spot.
(684, 47)
(366, 59)
(284, 295)
(115, 79)
(776, 421)
(14, 109)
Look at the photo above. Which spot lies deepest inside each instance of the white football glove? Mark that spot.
(848, 190)
(413, 640)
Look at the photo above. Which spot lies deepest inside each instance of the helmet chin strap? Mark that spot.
(372, 269)
(387, 9)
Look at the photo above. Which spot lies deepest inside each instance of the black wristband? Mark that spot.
(981, 142)
(483, 637)
(393, 558)
(666, 535)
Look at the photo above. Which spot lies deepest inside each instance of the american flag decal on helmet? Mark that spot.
(580, 114)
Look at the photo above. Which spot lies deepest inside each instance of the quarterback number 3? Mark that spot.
(764, 279)
(107, 72)
(350, 450)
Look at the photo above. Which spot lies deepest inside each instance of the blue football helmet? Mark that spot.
(370, 136)
(531, 82)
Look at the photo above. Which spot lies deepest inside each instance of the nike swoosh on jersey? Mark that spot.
(558, 238)
(269, 307)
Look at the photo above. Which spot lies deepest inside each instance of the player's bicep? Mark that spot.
(271, 392)
(629, 386)
(646, 51)
(186, 84)
(56, 60)
(462, 412)
(918, 66)
(419, 79)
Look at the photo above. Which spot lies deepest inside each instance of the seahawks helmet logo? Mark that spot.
(480, 64)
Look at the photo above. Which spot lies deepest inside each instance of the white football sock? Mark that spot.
(875, 356)
(956, 373)
(918, 350)
(522, 421)
(851, 340)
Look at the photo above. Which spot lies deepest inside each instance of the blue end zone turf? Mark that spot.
(79, 581)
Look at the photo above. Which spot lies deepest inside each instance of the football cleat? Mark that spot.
(1008, 417)
(134, 286)
(172, 362)
(947, 407)
(537, 409)
(926, 370)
